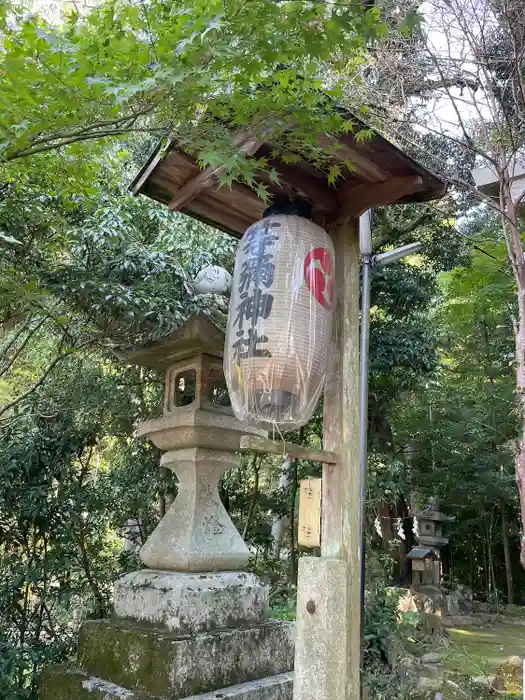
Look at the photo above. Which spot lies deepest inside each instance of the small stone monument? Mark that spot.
(430, 535)
(192, 624)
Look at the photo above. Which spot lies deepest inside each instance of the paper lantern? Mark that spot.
(280, 321)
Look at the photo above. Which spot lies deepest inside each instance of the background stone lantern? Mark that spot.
(430, 535)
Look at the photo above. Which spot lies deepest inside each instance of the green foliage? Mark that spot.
(86, 276)
(59, 552)
(381, 625)
(86, 269)
(463, 421)
(201, 74)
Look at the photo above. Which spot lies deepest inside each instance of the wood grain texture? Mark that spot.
(356, 199)
(250, 443)
(341, 537)
(367, 168)
(320, 657)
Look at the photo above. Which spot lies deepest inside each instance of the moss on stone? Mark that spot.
(63, 683)
(161, 663)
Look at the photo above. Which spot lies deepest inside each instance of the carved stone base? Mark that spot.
(189, 603)
(181, 636)
(167, 665)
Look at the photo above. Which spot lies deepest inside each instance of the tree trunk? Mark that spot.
(484, 553)
(224, 496)
(506, 553)
(491, 560)
(166, 497)
(517, 259)
(520, 390)
(405, 568)
(280, 522)
(388, 536)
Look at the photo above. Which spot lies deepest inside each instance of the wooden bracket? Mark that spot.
(252, 443)
(356, 199)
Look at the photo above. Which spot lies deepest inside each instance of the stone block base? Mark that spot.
(59, 683)
(161, 663)
(181, 636)
(189, 603)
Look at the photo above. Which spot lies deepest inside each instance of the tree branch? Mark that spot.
(86, 137)
(17, 336)
(255, 497)
(8, 406)
(20, 349)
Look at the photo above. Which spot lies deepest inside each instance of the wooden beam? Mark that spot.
(356, 199)
(362, 165)
(220, 216)
(208, 177)
(137, 185)
(321, 629)
(244, 199)
(251, 443)
(323, 198)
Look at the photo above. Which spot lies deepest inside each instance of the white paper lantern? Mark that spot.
(280, 322)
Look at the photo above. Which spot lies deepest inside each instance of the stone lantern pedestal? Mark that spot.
(192, 624)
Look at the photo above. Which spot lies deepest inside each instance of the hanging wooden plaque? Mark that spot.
(310, 513)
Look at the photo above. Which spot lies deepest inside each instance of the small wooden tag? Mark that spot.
(310, 513)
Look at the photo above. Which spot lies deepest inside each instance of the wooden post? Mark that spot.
(328, 654)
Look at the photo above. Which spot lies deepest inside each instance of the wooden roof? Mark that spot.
(381, 174)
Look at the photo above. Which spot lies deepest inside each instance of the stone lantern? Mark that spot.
(430, 535)
(199, 437)
(422, 559)
(192, 624)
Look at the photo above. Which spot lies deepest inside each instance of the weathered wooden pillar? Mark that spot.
(327, 661)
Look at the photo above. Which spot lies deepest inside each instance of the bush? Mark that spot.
(381, 626)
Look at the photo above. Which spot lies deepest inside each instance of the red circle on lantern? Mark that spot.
(318, 271)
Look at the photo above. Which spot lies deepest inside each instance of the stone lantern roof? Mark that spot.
(421, 553)
(199, 335)
(435, 515)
